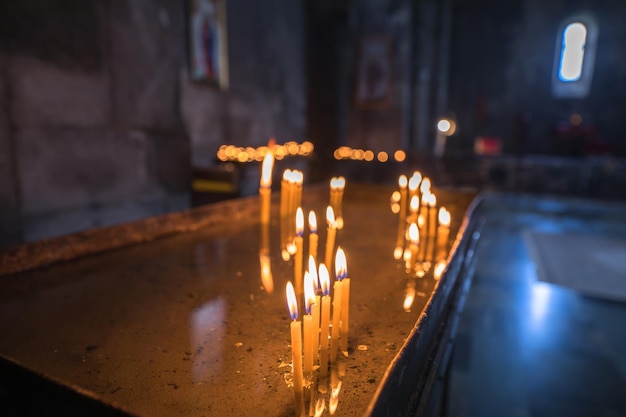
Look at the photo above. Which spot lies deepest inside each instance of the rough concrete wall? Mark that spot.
(502, 62)
(94, 111)
(266, 96)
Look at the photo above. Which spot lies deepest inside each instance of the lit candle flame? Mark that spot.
(397, 253)
(312, 222)
(429, 199)
(432, 200)
(341, 269)
(402, 181)
(337, 183)
(414, 204)
(330, 216)
(415, 180)
(299, 222)
(324, 279)
(298, 176)
(292, 301)
(425, 185)
(414, 234)
(313, 273)
(287, 175)
(266, 171)
(444, 217)
(309, 292)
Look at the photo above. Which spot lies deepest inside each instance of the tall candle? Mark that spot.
(425, 186)
(296, 349)
(315, 310)
(325, 322)
(313, 236)
(338, 208)
(284, 192)
(330, 237)
(309, 325)
(443, 233)
(265, 189)
(402, 183)
(297, 260)
(298, 179)
(345, 299)
(337, 304)
(414, 183)
(414, 242)
(432, 226)
(333, 192)
(414, 207)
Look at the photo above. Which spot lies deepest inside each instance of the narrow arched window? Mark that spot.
(572, 52)
(574, 57)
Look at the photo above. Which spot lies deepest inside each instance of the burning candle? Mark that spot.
(342, 266)
(315, 309)
(298, 179)
(402, 183)
(414, 206)
(297, 260)
(414, 241)
(337, 186)
(443, 233)
(330, 237)
(284, 192)
(309, 325)
(337, 304)
(425, 186)
(296, 349)
(432, 224)
(265, 189)
(313, 236)
(414, 183)
(325, 323)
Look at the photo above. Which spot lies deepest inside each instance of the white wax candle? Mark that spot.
(296, 350)
(297, 261)
(330, 237)
(313, 236)
(325, 319)
(342, 267)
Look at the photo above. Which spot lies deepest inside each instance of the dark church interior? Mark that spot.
(150, 232)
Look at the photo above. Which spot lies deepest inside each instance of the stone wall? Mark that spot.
(99, 123)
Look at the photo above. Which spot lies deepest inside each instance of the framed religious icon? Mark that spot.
(208, 47)
(373, 73)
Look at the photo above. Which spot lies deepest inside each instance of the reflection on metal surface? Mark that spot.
(539, 302)
(207, 332)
